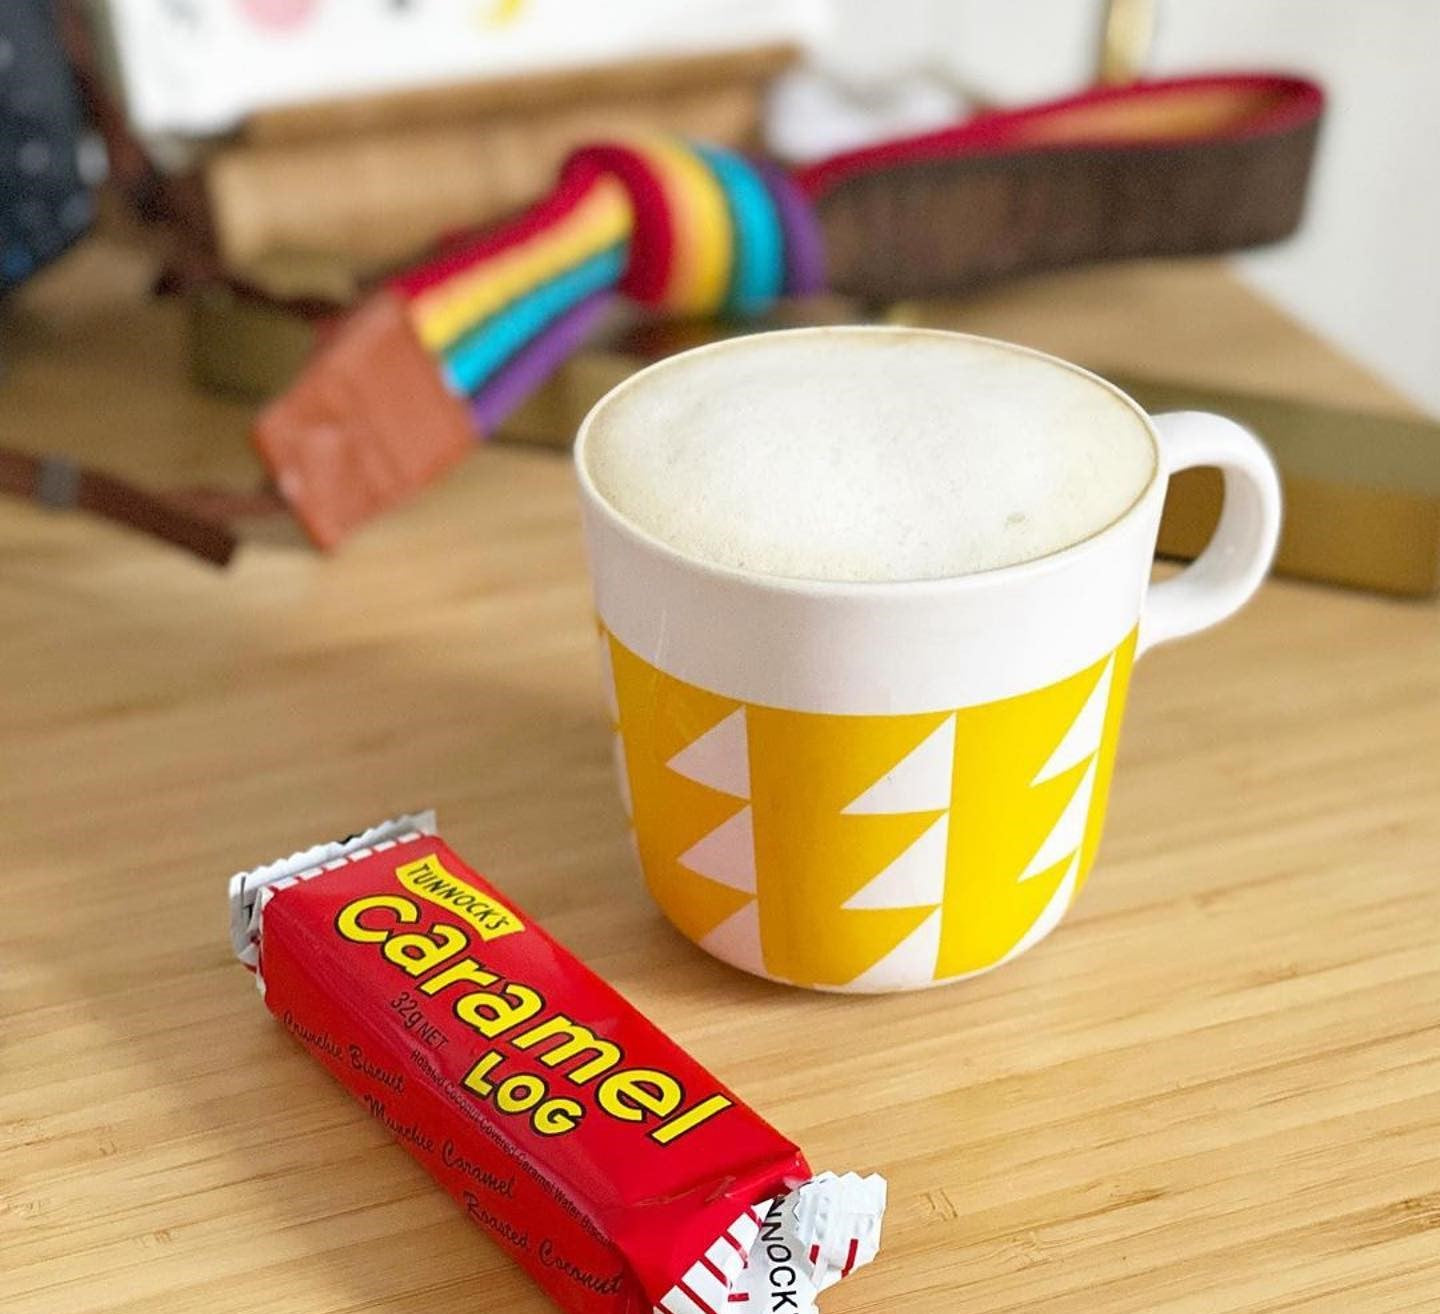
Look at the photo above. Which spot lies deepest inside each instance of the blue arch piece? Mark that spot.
(758, 270)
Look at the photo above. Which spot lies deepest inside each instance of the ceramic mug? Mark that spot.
(887, 785)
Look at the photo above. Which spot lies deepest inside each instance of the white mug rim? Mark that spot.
(827, 588)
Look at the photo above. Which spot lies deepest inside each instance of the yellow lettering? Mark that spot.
(579, 1040)
(418, 951)
(690, 1119)
(494, 1014)
(475, 1079)
(633, 1092)
(429, 878)
(520, 1092)
(348, 921)
(557, 1116)
(466, 970)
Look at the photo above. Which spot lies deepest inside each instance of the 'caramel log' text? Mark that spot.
(589, 1065)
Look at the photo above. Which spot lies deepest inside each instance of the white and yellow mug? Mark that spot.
(888, 785)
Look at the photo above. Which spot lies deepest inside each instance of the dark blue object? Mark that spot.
(49, 160)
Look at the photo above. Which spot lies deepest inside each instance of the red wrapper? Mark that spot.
(605, 1159)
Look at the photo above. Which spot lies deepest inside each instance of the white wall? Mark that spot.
(1365, 269)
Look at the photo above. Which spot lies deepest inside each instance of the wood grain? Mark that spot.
(1215, 1090)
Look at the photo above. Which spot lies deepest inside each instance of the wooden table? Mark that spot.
(1216, 1089)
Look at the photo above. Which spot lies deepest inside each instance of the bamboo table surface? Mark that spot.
(1216, 1089)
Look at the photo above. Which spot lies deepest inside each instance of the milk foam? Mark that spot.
(867, 454)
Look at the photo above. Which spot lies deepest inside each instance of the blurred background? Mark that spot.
(1361, 270)
(177, 80)
(231, 179)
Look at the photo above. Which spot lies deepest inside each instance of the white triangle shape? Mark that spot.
(1082, 739)
(908, 964)
(919, 782)
(622, 773)
(915, 878)
(607, 680)
(720, 758)
(1050, 916)
(1068, 833)
(737, 939)
(726, 854)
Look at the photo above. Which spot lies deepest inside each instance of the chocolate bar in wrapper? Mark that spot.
(621, 1175)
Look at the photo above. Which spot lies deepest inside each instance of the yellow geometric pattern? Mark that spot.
(1105, 760)
(659, 716)
(1026, 785)
(810, 857)
(999, 819)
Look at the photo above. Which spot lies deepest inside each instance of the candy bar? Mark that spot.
(606, 1160)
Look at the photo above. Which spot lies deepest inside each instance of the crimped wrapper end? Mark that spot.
(783, 1253)
(837, 1219)
(247, 888)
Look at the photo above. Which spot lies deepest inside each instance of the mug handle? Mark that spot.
(1225, 575)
